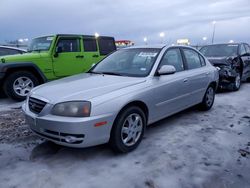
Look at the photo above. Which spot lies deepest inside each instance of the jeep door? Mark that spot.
(198, 75)
(68, 56)
(91, 53)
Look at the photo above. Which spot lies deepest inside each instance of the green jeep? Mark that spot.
(49, 58)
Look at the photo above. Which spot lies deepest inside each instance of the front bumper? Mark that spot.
(70, 131)
(227, 76)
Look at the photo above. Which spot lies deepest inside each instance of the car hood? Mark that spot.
(23, 57)
(83, 87)
(216, 61)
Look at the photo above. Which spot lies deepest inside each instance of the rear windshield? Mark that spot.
(219, 50)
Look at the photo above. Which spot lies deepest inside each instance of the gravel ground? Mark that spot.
(191, 149)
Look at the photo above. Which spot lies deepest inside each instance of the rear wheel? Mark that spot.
(19, 84)
(208, 99)
(128, 130)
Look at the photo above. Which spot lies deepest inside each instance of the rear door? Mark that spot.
(106, 46)
(91, 53)
(70, 59)
(198, 75)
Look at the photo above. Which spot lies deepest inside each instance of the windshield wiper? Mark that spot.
(108, 73)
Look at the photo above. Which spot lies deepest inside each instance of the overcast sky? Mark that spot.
(128, 19)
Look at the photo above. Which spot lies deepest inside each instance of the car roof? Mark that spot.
(13, 48)
(159, 46)
(224, 44)
(53, 35)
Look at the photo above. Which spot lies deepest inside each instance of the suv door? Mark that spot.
(68, 58)
(198, 75)
(171, 88)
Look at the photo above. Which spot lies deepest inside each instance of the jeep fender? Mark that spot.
(6, 68)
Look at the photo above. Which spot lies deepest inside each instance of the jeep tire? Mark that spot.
(17, 85)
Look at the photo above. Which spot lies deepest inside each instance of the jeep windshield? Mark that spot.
(220, 50)
(135, 62)
(40, 44)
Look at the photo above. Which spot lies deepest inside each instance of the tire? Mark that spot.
(15, 87)
(235, 86)
(126, 136)
(208, 99)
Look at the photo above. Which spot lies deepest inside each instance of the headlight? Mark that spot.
(72, 109)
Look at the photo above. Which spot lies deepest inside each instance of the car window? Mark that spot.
(192, 58)
(173, 57)
(69, 45)
(106, 45)
(89, 45)
(6, 51)
(247, 48)
(203, 62)
(242, 50)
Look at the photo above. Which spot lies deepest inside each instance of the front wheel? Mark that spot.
(208, 99)
(19, 84)
(128, 130)
(235, 86)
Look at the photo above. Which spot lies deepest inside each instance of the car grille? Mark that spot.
(36, 105)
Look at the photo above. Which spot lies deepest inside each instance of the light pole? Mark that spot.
(214, 23)
(162, 34)
(145, 39)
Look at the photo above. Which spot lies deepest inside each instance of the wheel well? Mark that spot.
(26, 69)
(139, 104)
(213, 84)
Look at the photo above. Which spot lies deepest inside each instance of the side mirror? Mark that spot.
(58, 50)
(166, 69)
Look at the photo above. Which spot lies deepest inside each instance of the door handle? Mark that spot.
(185, 80)
(79, 56)
(207, 73)
(95, 55)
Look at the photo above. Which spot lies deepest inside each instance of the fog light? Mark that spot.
(70, 139)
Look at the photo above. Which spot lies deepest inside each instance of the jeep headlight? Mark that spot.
(72, 109)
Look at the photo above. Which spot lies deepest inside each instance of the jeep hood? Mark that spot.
(23, 57)
(83, 87)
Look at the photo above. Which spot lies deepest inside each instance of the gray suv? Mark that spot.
(120, 96)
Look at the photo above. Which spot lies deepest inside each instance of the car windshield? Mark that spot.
(40, 44)
(220, 50)
(135, 62)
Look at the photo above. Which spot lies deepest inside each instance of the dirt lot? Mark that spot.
(190, 149)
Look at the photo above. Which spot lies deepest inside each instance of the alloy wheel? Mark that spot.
(131, 129)
(22, 86)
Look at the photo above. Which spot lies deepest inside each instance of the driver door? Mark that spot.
(68, 58)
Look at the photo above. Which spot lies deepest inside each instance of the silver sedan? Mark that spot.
(116, 100)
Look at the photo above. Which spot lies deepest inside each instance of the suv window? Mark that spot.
(247, 48)
(192, 58)
(242, 49)
(106, 45)
(173, 57)
(69, 45)
(89, 45)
